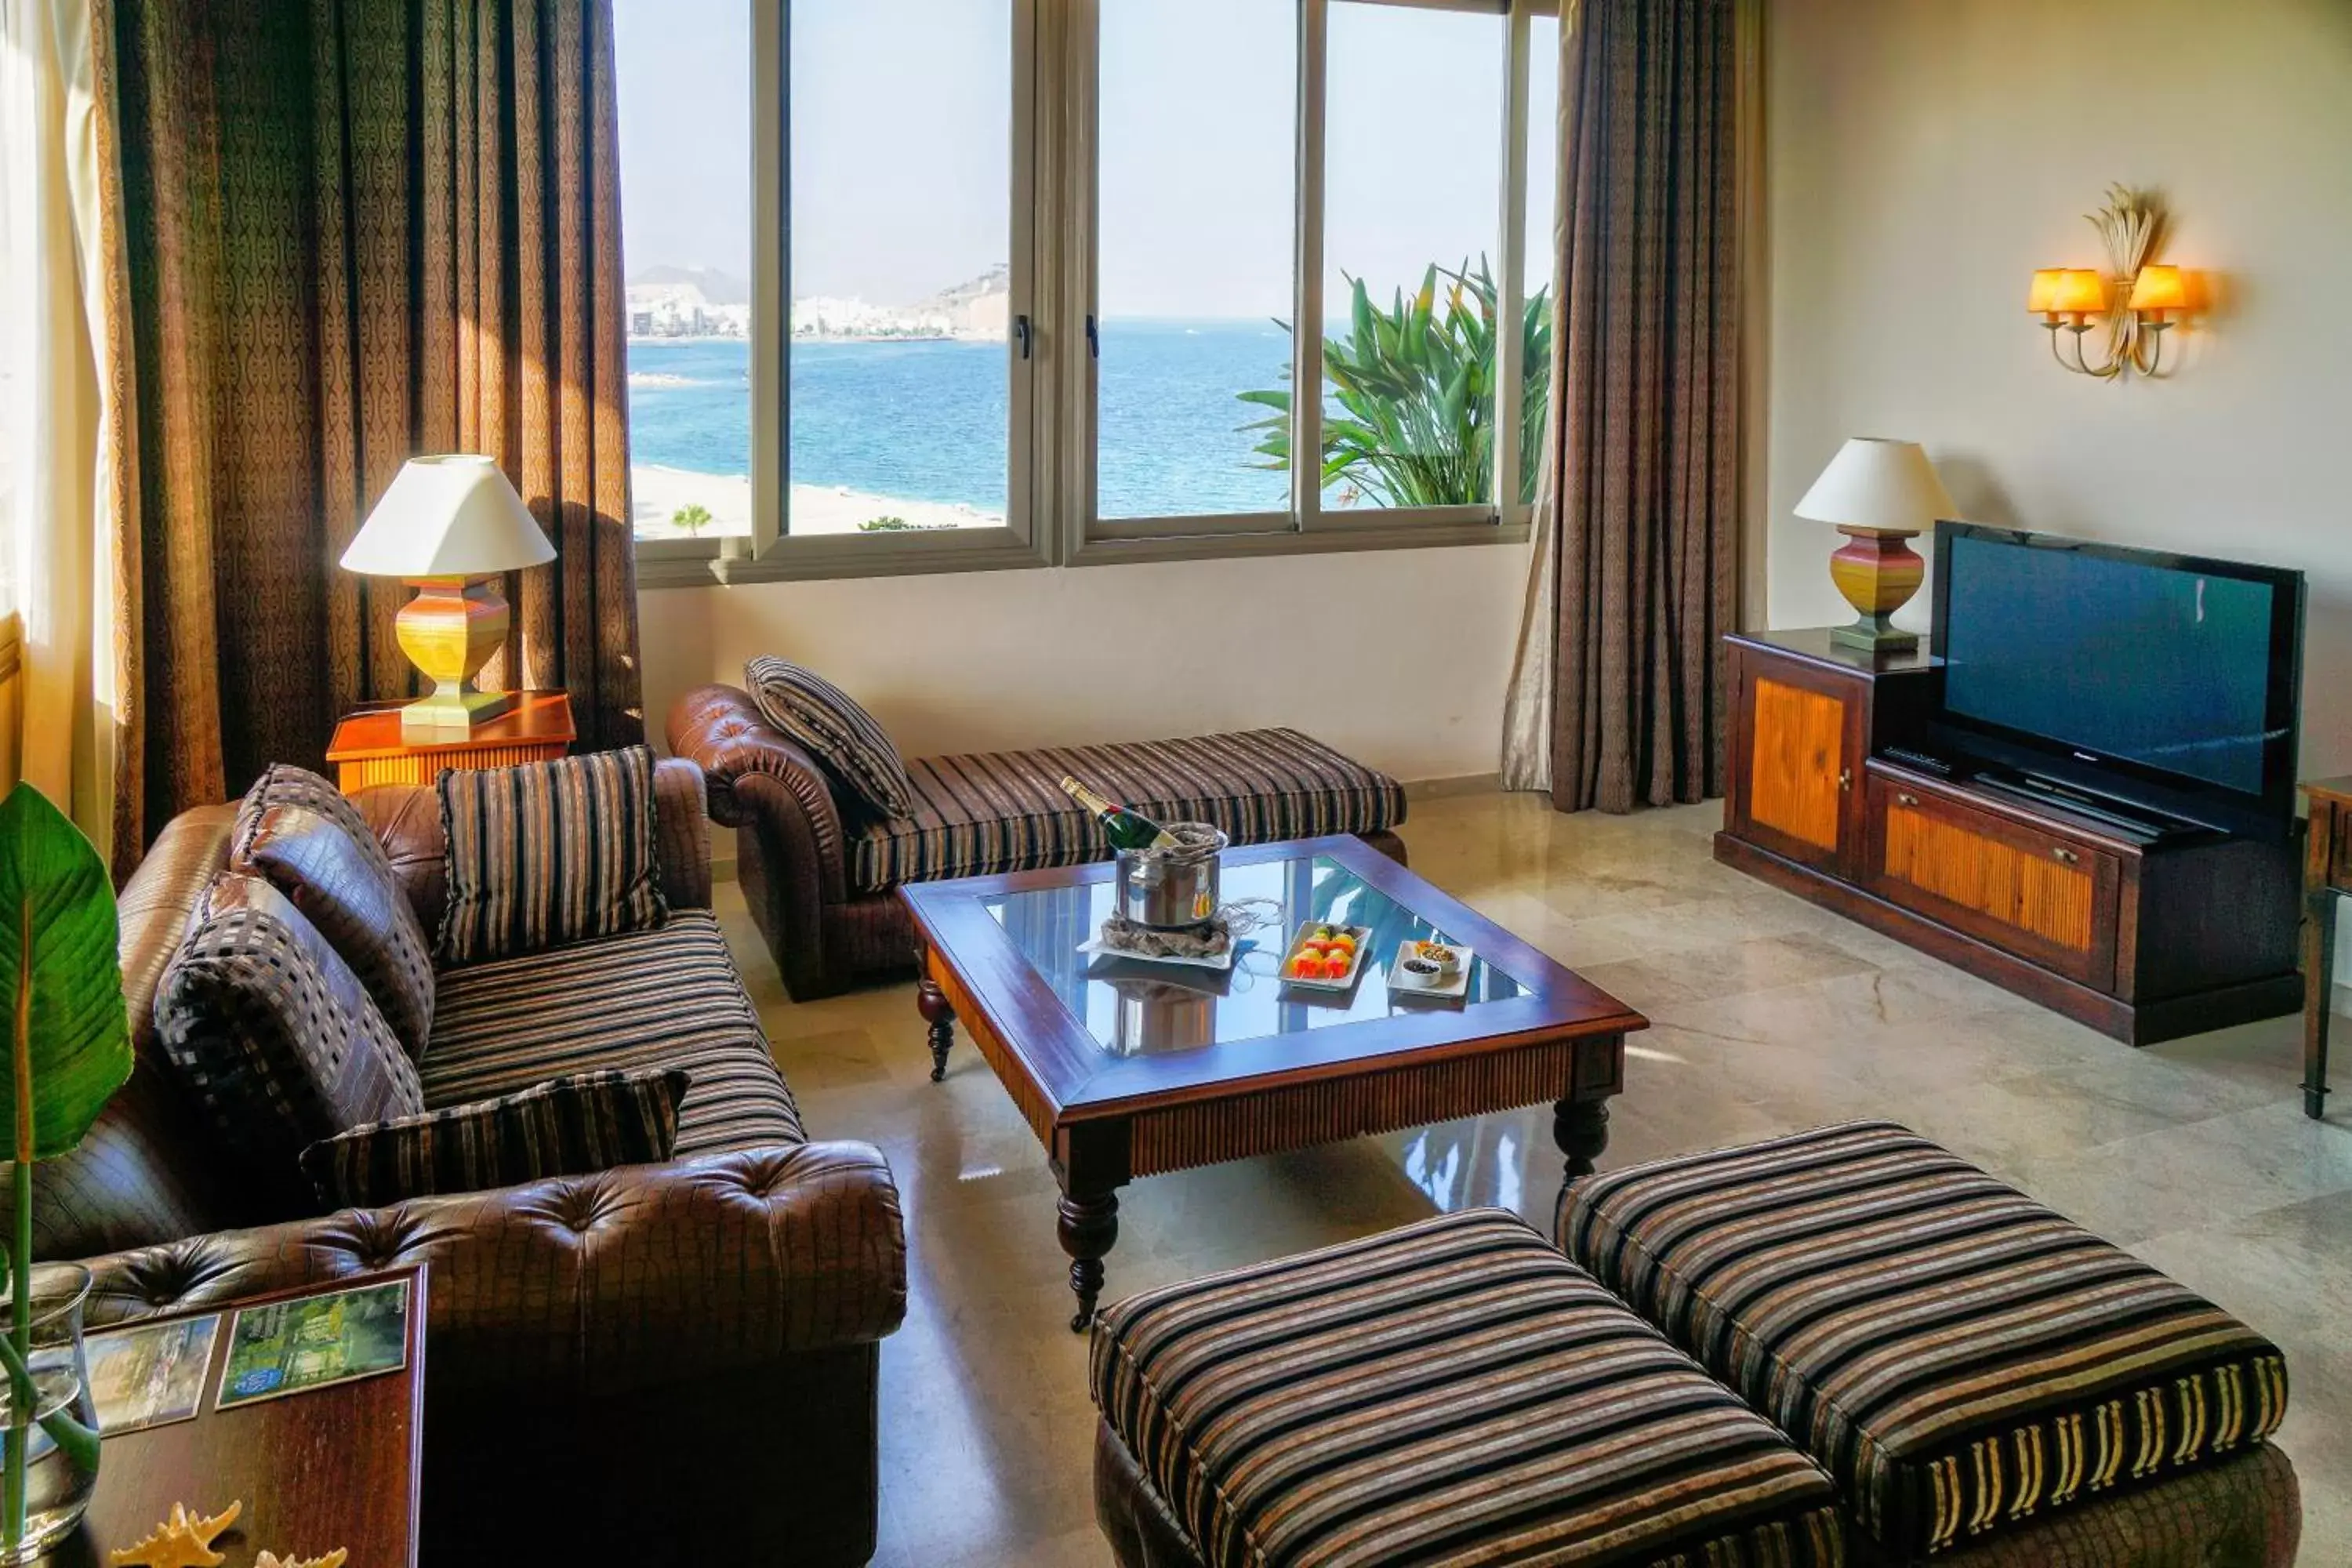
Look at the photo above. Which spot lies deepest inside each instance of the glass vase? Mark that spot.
(54, 1479)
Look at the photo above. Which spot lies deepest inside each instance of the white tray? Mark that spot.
(1363, 936)
(1403, 984)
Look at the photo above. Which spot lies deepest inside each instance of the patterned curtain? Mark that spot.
(357, 230)
(1617, 700)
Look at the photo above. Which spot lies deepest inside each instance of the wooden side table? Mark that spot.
(368, 747)
(2327, 877)
(338, 1466)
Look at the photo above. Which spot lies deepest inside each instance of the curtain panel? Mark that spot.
(358, 230)
(1617, 699)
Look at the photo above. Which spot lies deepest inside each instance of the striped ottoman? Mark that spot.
(1450, 1393)
(1959, 1357)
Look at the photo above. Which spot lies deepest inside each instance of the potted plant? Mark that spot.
(68, 1049)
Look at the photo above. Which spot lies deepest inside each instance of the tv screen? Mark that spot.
(2159, 662)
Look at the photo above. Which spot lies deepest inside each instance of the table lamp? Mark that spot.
(1879, 493)
(450, 526)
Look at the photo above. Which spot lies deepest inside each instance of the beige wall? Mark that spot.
(1399, 657)
(1926, 156)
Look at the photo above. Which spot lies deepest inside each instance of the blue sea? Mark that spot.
(926, 421)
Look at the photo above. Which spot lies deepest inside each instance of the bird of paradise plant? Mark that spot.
(1409, 417)
(68, 1051)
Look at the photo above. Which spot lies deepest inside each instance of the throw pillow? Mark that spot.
(842, 737)
(282, 784)
(355, 901)
(273, 1035)
(565, 1127)
(547, 854)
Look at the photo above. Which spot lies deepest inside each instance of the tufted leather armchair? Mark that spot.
(670, 1362)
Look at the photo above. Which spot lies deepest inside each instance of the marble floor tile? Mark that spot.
(1769, 1014)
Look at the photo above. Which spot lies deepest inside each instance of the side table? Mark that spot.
(2327, 877)
(335, 1465)
(368, 747)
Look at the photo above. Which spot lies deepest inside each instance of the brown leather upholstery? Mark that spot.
(790, 853)
(677, 1356)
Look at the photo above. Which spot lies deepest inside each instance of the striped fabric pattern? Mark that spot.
(1004, 811)
(547, 853)
(829, 725)
(1450, 1393)
(668, 997)
(272, 1032)
(568, 1126)
(1959, 1357)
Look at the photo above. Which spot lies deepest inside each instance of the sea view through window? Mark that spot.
(901, 347)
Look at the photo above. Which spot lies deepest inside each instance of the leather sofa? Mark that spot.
(820, 874)
(669, 1363)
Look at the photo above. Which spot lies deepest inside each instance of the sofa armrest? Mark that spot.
(589, 1287)
(681, 834)
(761, 781)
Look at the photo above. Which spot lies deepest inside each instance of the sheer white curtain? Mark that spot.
(57, 551)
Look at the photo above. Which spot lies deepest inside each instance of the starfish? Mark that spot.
(331, 1560)
(180, 1541)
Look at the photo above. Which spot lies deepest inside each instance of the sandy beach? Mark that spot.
(658, 492)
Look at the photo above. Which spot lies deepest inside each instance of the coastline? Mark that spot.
(657, 492)
(703, 338)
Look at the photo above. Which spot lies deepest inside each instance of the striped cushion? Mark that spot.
(349, 890)
(664, 998)
(1959, 1357)
(1454, 1392)
(565, 1127)
(547, 853)
(272, 1032)
(1004, 811)
(827, 723)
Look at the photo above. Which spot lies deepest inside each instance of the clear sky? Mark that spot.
(901, 157)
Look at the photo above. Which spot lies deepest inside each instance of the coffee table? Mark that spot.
(1126, 1068)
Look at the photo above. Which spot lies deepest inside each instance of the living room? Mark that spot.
(1673, 1047)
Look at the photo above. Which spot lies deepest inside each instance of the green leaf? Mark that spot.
(60, 976)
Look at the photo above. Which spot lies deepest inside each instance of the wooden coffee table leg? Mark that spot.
(1089, 1225)
(932, 1003)
(1581, 1128)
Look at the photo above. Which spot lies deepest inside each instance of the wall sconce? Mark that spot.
(2130, 226)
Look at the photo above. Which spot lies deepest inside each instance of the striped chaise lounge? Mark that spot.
(818, 864)
(1844, 1347)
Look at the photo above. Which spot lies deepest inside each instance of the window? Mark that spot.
(922, 284)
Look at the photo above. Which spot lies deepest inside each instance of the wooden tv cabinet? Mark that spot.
(2145, 941)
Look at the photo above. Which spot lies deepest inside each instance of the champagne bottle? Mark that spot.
(1125, 829)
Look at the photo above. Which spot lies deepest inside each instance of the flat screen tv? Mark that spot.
(2168, 680)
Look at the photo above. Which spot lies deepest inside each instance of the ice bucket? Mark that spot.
(1175, 888)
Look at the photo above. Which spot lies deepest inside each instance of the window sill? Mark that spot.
(1317, 542)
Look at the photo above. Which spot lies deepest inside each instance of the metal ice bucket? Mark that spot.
(1172, 890)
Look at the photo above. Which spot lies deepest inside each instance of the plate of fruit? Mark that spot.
(1326, 956)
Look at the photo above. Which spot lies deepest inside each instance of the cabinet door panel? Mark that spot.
(2035, 894)
(1800, 768)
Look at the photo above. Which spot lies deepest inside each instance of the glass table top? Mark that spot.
(1131, 1007)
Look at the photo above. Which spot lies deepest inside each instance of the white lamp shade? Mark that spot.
(1877, 483)
(450, 516)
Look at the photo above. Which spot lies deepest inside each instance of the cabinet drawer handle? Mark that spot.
(1905, 799)
(2064, 856)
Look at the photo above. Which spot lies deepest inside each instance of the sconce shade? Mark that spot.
(1877, 483)
(2042, 298)
(2159, 288)
(2081, 292)
(450, 516)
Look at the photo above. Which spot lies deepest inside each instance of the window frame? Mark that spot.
(1053, 252)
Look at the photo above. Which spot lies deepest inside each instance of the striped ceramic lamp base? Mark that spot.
(1877, 571)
